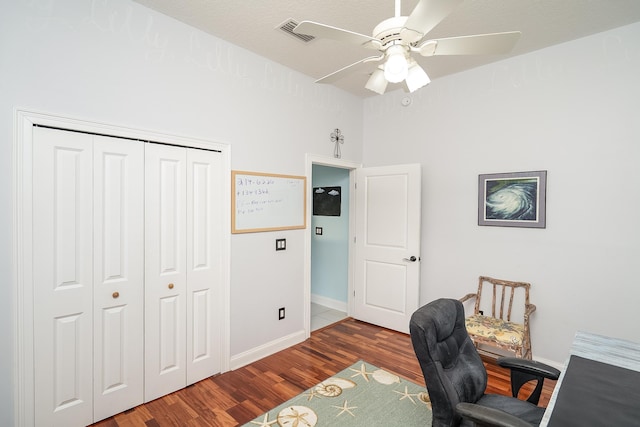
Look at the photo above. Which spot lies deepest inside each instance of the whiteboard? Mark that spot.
(266, 202)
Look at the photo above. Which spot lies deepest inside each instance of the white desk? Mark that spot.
(613, 353)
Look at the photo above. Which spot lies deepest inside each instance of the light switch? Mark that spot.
(319, 231)
(281, 244)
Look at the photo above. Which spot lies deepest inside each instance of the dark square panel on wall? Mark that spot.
(327, 200)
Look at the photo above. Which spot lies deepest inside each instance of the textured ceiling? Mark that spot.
(253, 25)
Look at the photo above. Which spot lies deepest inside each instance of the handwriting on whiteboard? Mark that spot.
(268, 201)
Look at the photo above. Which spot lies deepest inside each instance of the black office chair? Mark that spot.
(457, 379)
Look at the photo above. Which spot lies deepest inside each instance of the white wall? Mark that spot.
(572, 110)
(117, 62)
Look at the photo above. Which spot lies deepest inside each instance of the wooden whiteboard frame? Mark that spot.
(268, 221)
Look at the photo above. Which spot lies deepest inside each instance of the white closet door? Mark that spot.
(204, 269)
(118, 275)
(165, 270)
(62, 277)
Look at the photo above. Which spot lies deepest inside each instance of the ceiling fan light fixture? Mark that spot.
(416, 78)
(396, 67)
(397, 39)
(377, 82)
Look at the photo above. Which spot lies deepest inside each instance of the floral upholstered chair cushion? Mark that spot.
(498, 330)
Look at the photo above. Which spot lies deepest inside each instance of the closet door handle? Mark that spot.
(115, 294)
(170, 285)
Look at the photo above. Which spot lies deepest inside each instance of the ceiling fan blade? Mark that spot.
(425, 16)
(479, 44)
(337, 75)
(334, 33)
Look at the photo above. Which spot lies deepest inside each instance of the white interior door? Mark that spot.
(165, 270)
(82, 261)
(62, 277)
(204, 263)
(387, 270)
(183, 267)
(118, 230)
(88, 235)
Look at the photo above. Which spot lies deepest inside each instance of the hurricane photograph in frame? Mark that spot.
(516, 199)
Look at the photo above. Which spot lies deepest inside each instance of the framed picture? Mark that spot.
(327, 201)
(516, 199)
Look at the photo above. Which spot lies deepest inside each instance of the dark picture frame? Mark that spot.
(515, 199)
(327, 201)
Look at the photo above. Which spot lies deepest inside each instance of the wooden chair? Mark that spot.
(497, 329)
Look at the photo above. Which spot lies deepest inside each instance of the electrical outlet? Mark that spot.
(281, 313)
(281, 244)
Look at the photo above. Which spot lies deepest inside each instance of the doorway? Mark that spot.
(369, 301)
(329, 245)
(393, 295)
(328, 266)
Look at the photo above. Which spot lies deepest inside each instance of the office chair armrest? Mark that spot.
(467, 297)
(529, 367)
(523, 371)
(489, 417)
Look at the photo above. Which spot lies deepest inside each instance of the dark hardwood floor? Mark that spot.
(236, 397)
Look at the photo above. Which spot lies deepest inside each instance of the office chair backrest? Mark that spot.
(451, 366)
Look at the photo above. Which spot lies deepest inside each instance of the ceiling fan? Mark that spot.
(399, 37)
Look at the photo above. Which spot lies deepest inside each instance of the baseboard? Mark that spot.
(559, 366)
(328, 302)
(492, 357)
(250, 356)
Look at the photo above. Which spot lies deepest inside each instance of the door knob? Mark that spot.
(170, 285)
(115, 294)
(410, 259)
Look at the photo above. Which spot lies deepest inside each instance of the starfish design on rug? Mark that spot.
(265, 421)
(345, 408)
(406, 395)
(311, 394)
(362, 371)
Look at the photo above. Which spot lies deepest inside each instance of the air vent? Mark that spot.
(288, 26)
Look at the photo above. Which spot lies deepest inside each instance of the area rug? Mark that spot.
(361, 395)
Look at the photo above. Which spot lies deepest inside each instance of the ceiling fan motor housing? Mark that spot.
(388, 31)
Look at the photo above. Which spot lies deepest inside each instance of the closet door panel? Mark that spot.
(62, 275)
(118, 275)
(204, 271)
(165, 269)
